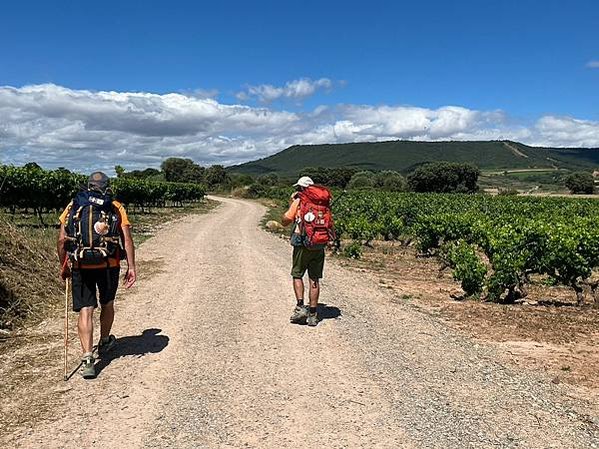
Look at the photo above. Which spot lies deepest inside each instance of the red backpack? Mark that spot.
(316, 217)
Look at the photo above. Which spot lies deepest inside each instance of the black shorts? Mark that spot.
(307, 259)
(86, 284)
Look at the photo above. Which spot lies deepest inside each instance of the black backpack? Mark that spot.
(92, 229)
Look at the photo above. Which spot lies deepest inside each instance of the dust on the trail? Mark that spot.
(228, 370)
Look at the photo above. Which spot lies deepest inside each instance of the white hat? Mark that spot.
(304, 181)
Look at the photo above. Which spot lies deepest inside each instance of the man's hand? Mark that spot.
(65, 272)
(130, 277)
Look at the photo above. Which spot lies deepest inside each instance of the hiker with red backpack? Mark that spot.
(94, 236)
(310, 213)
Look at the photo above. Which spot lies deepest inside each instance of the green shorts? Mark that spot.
(307, 259)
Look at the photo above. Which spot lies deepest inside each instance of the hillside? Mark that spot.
(404, 156)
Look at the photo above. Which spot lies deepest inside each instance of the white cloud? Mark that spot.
(294, 90)
(85, 130)
(593, 64)
(567, 132)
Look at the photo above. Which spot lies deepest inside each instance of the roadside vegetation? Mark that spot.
(497, 247)
(518, 270)
(30, 201)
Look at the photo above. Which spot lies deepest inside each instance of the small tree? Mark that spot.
(241, 179)
(269, 180)
(444, 177)
(120, 171)
(580, 182)
(217, 177)
(390, 181)
(182, 170)
(362, 180)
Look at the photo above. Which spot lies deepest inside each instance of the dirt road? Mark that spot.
(207, 358)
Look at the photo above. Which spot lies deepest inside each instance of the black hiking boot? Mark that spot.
(104, 346)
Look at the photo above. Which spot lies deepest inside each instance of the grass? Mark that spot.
(29, 281)
(146, 224)
(274, 213)
(29, 285)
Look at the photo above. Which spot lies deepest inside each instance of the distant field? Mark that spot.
(525, 180)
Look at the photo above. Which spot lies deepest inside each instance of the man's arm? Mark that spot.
(285, 221)
(65, 270)
(131, 275)
(289, 216)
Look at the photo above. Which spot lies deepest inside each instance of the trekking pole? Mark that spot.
(66, 326)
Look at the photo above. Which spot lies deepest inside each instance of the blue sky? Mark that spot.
(521, 64)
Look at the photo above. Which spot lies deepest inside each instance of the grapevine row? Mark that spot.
(493, 244)
(31, 187)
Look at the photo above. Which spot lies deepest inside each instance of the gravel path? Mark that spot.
(227, 370)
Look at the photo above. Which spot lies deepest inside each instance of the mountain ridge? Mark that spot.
(404, 156)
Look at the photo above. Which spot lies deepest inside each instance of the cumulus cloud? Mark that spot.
(593, 64)
(568, 131)
(294, 90)
(84, 130)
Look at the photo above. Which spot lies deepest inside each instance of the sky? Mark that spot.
(89, 85)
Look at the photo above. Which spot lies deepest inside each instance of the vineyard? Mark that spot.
(32, 188)
(496, 246)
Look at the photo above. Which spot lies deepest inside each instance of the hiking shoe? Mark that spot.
(312, 319)
(106, 345)
(300, 313)
(88, 370)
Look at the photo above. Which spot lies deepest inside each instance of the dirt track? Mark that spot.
(207, 358)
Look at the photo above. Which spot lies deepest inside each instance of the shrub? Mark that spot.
(580, 182)
(444, 177)
(390, 181)
(269, 180)
(255, 190)
(353, 250)
(362, 180)
(240, 180)
(467, 267)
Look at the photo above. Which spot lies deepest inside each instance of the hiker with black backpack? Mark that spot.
(94, 236)
(312, 231)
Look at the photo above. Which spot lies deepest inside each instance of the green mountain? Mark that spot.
(404, 156)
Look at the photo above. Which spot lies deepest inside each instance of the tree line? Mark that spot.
(438, 177)
(31, 188)
(181, 170)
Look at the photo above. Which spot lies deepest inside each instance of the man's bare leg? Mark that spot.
(85, 328)
(106, 319)
(300, 312)
(314, 292)
(298, 287)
